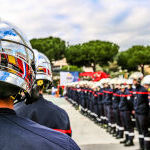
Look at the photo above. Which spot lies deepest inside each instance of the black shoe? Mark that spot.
(108, 129)
(96, 121)
(119, 137)
(113, 131)
(93, 118)
(115, 135)
(85, 114)
(123, 142)
(141, 142)
(129, 143)
(81, 112)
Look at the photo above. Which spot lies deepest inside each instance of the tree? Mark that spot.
(122, 61)
(91, 53)
(74, 55)
(134, 57)
(54, 48)
(72, 68)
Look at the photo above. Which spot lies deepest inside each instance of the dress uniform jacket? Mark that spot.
(116, 99)
(108, 92)
(132, 98)
(82, 98)
(17, 133)
(141, 103)
(45, 113)
(125, 101)
(100, 96)
(103, 95)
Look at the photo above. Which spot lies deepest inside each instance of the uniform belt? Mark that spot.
(141, 92)
(125, 95)
(108, 92)
(116, 94)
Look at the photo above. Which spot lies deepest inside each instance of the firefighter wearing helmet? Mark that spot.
(116, 113)
(108, 93)
(141, 107)
(17, 73)
(52, 116)
(125, 113)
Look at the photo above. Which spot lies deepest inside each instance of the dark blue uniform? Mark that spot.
(90, 102)
(108, 93)
(104, 117)
(45, 113)
(100, 106)
(86, 99)
(149, 106)
(95, 103)
(82, 99)
(17, 133)
(141, 106)
(116, 112)
(125, 111)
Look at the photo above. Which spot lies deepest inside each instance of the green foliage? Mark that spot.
(134, 57)
(54, 48)
(113, 66)
(112, 69)
(123, 61)
(74, 55)
(91, 53)
(72, 68)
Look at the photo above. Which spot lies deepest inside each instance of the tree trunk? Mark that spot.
(94, 67)
(142, 69)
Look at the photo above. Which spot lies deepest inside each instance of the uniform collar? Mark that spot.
(7, 111)
(138, 86)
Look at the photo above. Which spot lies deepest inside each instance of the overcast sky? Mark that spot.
(126, 22)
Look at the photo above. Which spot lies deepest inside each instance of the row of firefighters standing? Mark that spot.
(116, 104)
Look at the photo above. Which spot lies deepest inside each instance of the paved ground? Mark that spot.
(86, 133)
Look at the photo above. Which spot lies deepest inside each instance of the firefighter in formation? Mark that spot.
(38, 108)
(118, 105)
(18, 82)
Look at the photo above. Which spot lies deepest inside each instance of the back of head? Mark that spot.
(137, 77)
(16, 61)
(43, 69)
(43, 76)
(146, 80)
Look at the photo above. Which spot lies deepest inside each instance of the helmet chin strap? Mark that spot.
(34, 95)
(28, 98)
